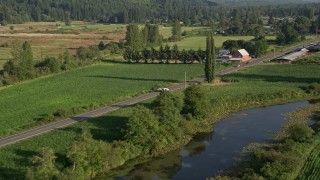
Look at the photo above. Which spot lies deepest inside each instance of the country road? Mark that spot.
(98, 112)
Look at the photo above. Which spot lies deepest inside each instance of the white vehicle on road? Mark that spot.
(162, 89)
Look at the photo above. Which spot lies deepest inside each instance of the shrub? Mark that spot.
(300, 132)
(48, 117)
(63, 113)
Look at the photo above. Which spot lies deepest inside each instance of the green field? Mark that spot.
(200, 41)
(266, 81)
(104, 83)
(310, 170)
(166, 32)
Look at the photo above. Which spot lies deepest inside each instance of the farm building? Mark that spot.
(241, 55)
(314, 48)
(288, 58)
(224, 53)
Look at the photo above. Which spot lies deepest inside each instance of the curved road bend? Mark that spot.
(98, 112)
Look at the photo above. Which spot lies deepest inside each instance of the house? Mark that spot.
(224, 53)
(241, 55)
(288, 58)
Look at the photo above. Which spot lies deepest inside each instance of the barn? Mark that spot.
(241, 55)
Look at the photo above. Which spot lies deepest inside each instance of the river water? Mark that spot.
(210, 153)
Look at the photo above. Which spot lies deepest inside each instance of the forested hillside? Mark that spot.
(119, 11)
(128, 11)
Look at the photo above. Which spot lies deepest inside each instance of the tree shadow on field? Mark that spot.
(115, 61)
(135, 79)
(271, 78)
(25, 157)
(108, 128)
(8, 173)
(105, 128)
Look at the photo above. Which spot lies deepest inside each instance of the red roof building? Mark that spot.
(241, 55)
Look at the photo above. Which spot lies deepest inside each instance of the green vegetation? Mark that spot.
(22, 104)
(257, 86)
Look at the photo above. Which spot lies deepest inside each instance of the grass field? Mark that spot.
(200, 42)
(310, 170)
(104, 83)
(258, 81)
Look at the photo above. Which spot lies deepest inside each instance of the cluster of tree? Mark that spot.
(22, 66)
(250, 20)
(146, 37)
(164, 54)
(149, 131)
(290, 32)
(255, 47)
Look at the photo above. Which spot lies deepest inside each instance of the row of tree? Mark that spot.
(165, 54)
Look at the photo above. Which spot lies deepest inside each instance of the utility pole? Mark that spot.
(185, 79)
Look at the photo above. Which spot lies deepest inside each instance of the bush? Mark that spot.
(63, 113)
(48, 117)
(313, 88)
(300, 132)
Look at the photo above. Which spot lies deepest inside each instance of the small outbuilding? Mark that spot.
(224, 53)
(241, 55)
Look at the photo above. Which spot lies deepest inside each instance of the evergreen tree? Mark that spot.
(210, 59)
(176, 31)
(175, 53)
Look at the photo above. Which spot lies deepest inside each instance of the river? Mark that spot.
(210, 153)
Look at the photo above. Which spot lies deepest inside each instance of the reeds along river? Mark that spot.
(208, 154)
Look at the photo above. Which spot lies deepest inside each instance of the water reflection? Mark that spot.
(208, 154)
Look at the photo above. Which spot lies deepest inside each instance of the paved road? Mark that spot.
(66, 122)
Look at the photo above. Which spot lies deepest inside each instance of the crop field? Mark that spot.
(21, 104)
(310, 170)
(264, 81)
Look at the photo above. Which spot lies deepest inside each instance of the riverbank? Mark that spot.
(292, 155)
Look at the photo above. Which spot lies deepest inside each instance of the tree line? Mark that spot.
(165, 54)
